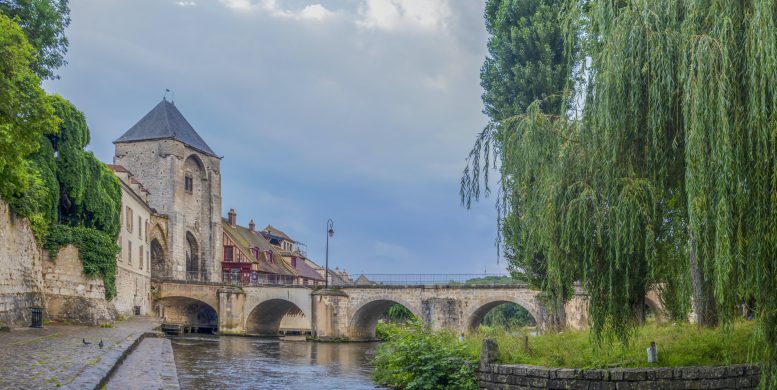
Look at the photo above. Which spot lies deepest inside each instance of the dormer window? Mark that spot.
(255, 252)
(188, 183)
(269, 256)
(294, 261)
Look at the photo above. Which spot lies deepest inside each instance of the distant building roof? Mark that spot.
(277, 233)
(302, 268)
(245, 239)
(362, 280)
(165, 122)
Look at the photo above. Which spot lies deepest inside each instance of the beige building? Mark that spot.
(133, 274)
(182, 173)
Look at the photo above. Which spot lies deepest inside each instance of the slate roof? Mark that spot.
(165, 122)
(245, 240)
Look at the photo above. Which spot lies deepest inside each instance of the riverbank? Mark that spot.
(55, 356)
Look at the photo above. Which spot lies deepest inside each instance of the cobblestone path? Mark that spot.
(150, 366)
(56, 357)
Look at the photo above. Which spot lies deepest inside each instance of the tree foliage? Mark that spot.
(91, 192)
(25, 112)
(667, 175)
(44, 22)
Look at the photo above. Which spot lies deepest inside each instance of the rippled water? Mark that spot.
(210, 362)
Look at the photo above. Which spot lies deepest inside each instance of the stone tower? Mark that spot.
(182, 174)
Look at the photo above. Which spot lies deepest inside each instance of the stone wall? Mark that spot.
(132, 289)
(493, 376)
(501, 376)
(70, 295)
(21, 286)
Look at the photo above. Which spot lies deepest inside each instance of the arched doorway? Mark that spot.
(366, 317)
(192, 258)
(266, 318)
(158, 266)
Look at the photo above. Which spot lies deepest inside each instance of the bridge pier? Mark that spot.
(231, 310)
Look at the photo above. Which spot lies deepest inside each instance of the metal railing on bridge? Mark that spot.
(255, 279)
(422, 279)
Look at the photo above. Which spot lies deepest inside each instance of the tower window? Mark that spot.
(188, 183)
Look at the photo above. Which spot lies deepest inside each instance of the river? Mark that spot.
(212, 362)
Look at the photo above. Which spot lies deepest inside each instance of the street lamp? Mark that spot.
(329, 233)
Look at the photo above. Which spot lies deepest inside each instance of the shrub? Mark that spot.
(414, 357)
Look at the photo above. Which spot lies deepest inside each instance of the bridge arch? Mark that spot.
(189, 312)
(266, 307)
(366, 315)
(265, 318)
(478, 310)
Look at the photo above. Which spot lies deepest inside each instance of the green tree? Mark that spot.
(44, 22)
(25, 112)
(91, 194)
(674, 165)
(528, 73)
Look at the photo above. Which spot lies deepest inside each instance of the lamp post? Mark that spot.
(329, 233)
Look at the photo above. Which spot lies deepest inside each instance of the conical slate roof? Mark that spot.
(165, 122)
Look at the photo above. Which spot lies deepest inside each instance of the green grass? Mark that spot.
(678, 345)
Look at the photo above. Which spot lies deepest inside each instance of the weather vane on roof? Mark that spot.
(172, 95)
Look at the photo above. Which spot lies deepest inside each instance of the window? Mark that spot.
(229, 253)
(294, 261)
(146, 231)
(129, 252)
(188, 183)
(140, 227)
(255, 252)
(140, 253)
(269, 256)
(129, 219)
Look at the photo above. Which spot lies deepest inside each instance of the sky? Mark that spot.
(362, 111)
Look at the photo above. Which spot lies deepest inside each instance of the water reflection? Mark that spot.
(210, 362)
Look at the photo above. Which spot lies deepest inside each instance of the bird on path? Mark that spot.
(101, 344)
(85, 342)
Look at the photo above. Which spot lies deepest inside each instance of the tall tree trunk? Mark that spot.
(703, 299)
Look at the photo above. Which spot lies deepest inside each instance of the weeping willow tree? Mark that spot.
(525, 76)
(669, 177)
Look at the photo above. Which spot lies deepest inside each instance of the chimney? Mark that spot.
(232, 217)
(252, 226)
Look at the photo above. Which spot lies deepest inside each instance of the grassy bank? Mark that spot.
(678, 345)
(413, 357)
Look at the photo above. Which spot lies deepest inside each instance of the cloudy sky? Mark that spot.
(362, 111)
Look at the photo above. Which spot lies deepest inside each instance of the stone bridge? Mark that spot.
(344, 313)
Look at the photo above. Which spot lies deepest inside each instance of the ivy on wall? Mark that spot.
(71, 197)
(97, 250)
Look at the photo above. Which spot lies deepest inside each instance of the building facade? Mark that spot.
(183, 177)
(133, 271)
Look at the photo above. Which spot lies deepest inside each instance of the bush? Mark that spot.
(414, 357)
